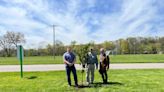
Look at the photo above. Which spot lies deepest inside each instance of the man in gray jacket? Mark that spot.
(90, 67)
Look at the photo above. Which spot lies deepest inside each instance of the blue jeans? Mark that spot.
(68, 72)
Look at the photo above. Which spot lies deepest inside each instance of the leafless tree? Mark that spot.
(15, 37)
(6, 45)
(10, 39)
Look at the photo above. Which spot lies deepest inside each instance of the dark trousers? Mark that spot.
(104, 76)
(68, 72)
(103, 73)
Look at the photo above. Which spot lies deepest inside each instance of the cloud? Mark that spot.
(81, 20)
(133, 19)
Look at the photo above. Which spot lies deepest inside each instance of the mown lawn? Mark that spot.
(119, 81)
(148, 58)
(142, 58)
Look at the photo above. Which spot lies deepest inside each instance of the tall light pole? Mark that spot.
(134, 43)
(53, 26)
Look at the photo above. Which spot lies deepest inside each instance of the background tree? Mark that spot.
(161, 41)
(15, 37)
(108, 45)
(124, 46)
(73, 44)
(133, 45)
(49, 49)
(6, 46)
(59, 48)
(10, 39)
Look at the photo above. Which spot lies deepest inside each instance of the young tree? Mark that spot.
(82, 52)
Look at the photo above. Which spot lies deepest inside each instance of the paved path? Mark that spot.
(56, 67)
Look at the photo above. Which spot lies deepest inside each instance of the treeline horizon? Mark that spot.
(130, 45)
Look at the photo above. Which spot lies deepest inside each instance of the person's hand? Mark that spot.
(96, 67)
(71, 64)
(83, 66)
(107, 68)
(82, 71)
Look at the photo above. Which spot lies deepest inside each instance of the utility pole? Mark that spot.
(53, 26)
(134, 47)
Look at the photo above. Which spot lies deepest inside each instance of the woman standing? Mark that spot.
(104, 65)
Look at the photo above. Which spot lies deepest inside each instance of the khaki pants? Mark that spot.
(90, 71)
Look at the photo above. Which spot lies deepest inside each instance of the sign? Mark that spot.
(20, 52)
(20, 56)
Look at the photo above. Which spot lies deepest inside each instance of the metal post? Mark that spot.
(54, 41)
(134, 47)
(21, 61)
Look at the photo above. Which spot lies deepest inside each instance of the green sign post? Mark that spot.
(20, 56)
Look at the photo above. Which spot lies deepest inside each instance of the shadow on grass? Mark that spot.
(83, 86)
(32, 77)
(100, 84)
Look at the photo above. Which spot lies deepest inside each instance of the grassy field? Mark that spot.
(119, 81)
(58, 60)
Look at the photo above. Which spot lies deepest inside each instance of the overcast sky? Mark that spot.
(81, 20)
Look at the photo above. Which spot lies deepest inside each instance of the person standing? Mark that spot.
(104, 65)
(90, 66)
(69, 59)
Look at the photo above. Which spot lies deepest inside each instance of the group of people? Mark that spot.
(69, 59)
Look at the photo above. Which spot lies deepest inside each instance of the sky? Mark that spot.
(81, 20)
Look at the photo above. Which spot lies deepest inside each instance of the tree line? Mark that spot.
(130, 45)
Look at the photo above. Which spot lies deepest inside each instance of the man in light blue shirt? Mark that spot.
(69, 59)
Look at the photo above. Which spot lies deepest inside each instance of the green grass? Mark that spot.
(148, 58)
(142, 58)
(31, 60)
(119, 81)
